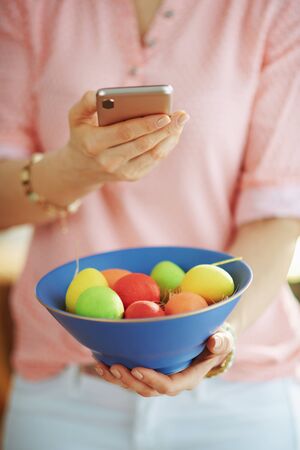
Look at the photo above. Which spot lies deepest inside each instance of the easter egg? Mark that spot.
(137, 286)
(100, 302)
(184, 302)
(143, 309)
(167, 275)
(113, 275)
(211, 282)
(83, 280)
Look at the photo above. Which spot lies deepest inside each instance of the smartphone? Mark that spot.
(116, 104)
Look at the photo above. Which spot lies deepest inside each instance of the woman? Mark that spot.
(229, 181)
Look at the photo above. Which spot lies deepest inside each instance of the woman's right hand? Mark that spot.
(124, 151)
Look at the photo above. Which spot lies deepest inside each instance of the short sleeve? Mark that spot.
(269, 185)
(17, 137)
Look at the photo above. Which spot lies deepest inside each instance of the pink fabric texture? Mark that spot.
(234, 66)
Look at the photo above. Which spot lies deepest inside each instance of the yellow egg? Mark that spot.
(211, 282)
(85, 279)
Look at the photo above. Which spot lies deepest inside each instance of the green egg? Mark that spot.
(100, 302)
(167, 275)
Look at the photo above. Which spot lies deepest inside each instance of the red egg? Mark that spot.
(113, 275)
(135, 287)
(143, 309)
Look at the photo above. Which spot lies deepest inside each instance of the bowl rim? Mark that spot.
(236, 294)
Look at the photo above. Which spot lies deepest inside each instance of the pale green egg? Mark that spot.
(167, 275)
(100, 302)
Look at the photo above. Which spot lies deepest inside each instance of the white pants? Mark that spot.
(75, 411)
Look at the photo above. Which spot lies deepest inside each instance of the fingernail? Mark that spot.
(182, 119)
(115, 373)
(218, 342)
(99, 371)
(163, 121)
(137, 374)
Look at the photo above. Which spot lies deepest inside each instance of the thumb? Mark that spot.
(84, 110)
(220, 342)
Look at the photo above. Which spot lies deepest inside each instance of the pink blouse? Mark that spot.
(235, 68)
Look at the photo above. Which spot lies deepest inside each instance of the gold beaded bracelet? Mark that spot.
(51, 209)
(228, 361)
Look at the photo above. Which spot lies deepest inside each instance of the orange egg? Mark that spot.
(184, 302)
(113, 275)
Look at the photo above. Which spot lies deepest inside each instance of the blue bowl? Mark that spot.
(167, 344)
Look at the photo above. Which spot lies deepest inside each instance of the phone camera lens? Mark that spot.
(109, 103)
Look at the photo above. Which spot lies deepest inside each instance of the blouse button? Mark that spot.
(168, 13)
(150, 42)
(133, 71)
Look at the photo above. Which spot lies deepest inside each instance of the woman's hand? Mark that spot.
(149, 383)
(125, 151)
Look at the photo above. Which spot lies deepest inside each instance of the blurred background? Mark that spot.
(14, 244)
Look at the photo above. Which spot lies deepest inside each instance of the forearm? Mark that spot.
(268, 248)
(49, 179)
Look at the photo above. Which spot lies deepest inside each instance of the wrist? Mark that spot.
(53, 210)
(54, 179)
(49, 179)
(81, 169)
(223, 367)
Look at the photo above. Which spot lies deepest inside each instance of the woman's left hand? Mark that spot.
(149, 383)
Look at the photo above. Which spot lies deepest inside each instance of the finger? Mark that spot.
(115, 157)
(181, 117)
(220, 342)
(190, 377)
(162, 150)
(122, 374)
(174, 384)
(157, 381)
(129, 130)
(105, 374)
(84, 109)
(137, 168)
(97, 139)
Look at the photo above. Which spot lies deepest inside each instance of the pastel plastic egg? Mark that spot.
(211, 282)
(167, 275)
(143, 310)
(100, 302)
(137, 286)
(184, 302)
(113, 275)
(84, 279)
